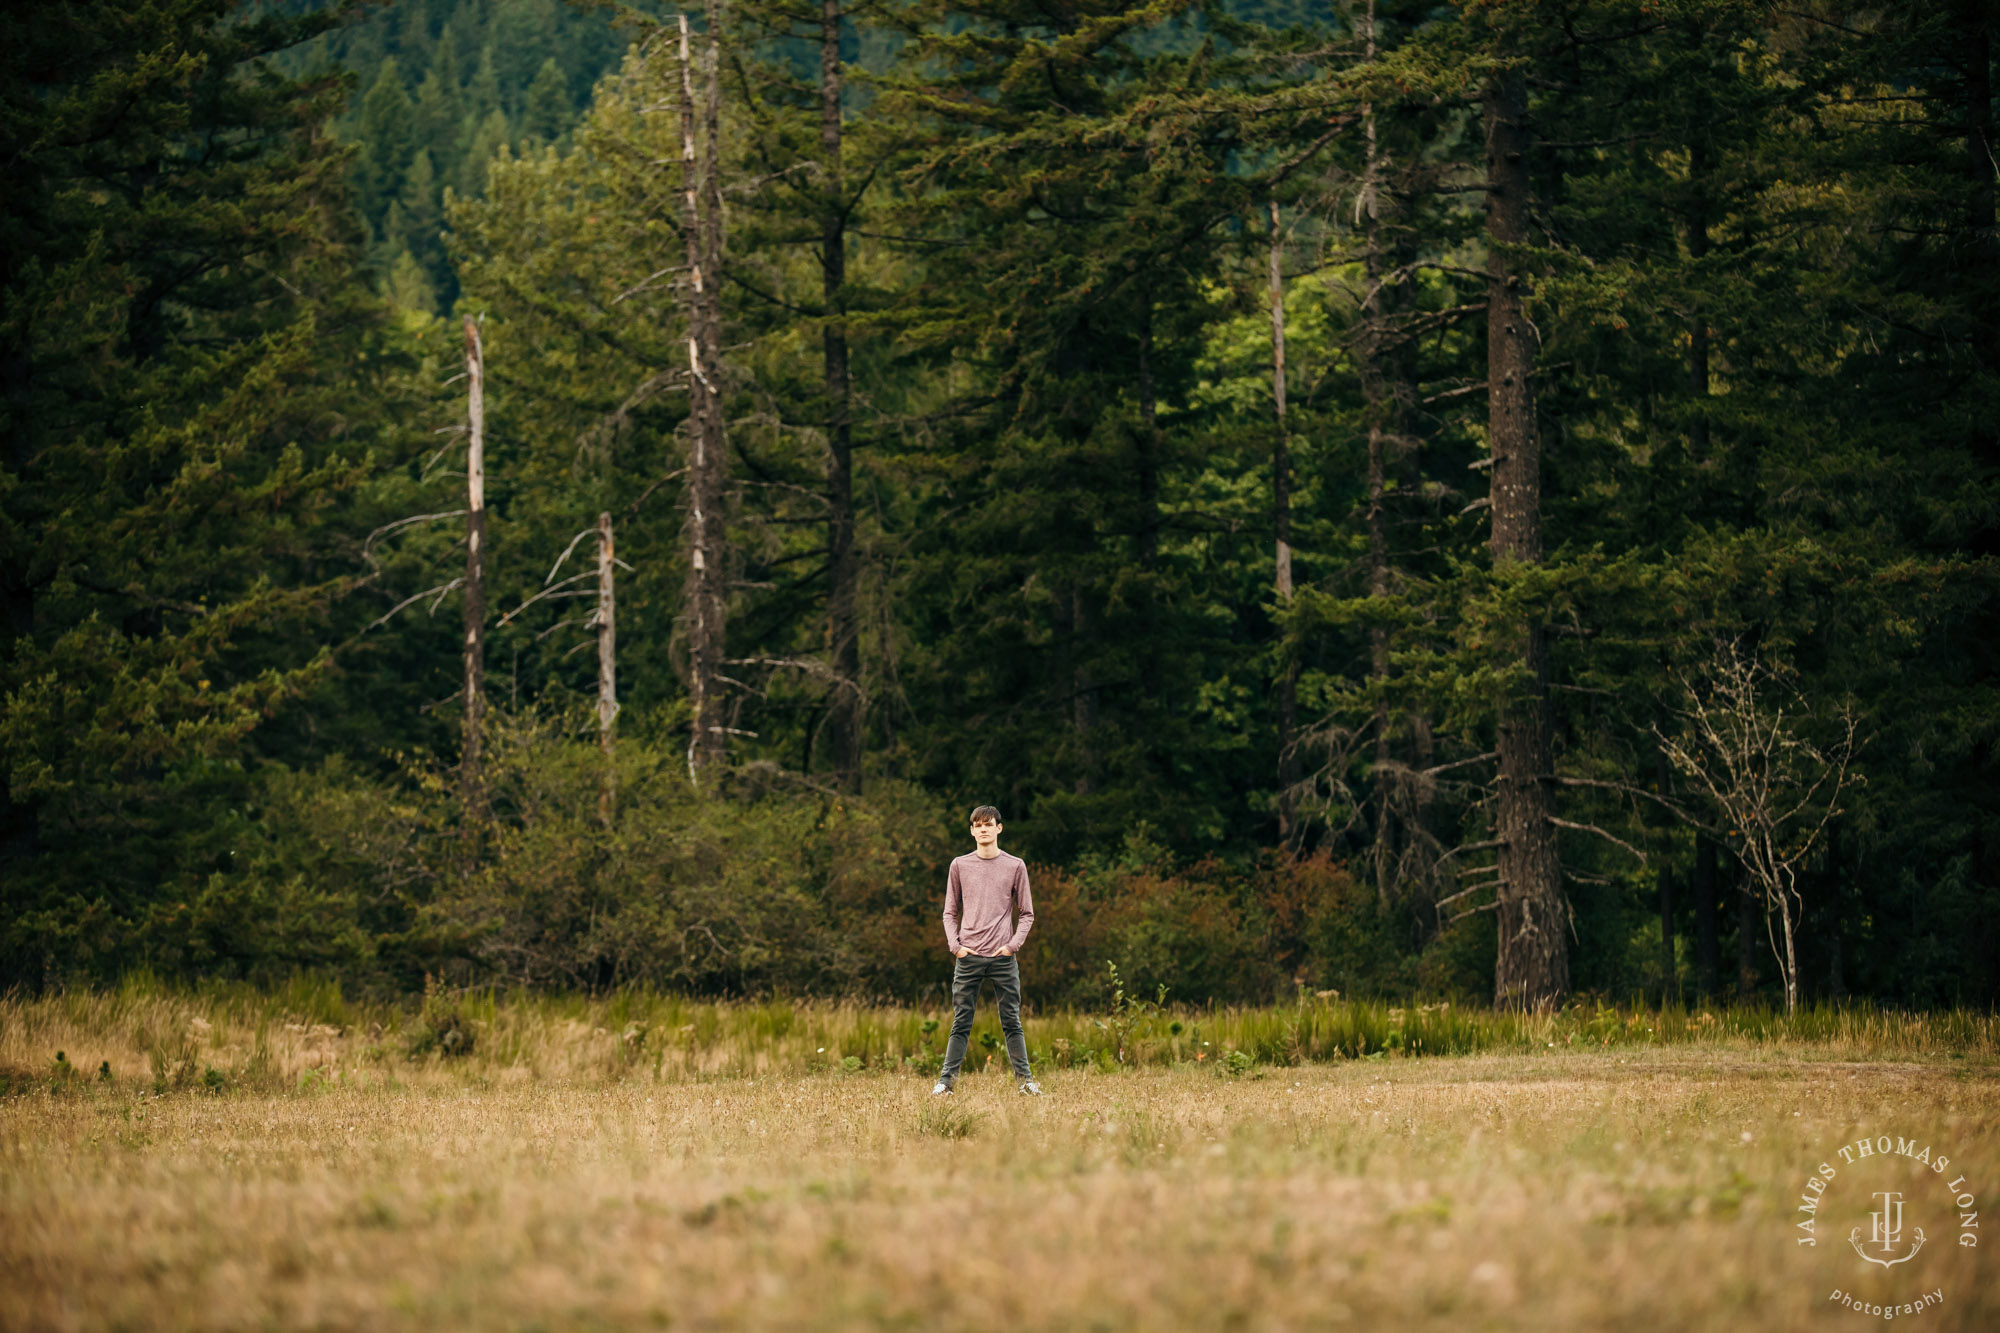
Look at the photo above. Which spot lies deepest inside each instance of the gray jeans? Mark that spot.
(1005, 974)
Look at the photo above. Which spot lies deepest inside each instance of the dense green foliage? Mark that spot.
(1765, 289)
(181, 442)
(441, 86)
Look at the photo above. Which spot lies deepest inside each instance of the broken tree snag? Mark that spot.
(701, 224)
(1281, 463)
(846, 720)
(1532, 970)
(606, 624)
(1281, 522)
(475, 562)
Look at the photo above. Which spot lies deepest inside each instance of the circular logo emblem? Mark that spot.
(1883, 1200)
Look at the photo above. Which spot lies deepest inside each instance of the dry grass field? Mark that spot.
(230, 1163)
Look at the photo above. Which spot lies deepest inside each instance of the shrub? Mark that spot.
(440, 1028)
(759, 884)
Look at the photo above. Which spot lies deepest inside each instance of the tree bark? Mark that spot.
(1384, 405)
(1831, 910)
(606, 624)
(1746, 938)
(1698, 245)
(472, 751)
(1281, 463)
(1706, 956)
(1788, 920)
(1533, 966)
(1975, 40)
(1281, 506)
(1976, 49)
(1148, 442)
(1670, 989)
(846, 718)
(701, 220)
(1083, 689)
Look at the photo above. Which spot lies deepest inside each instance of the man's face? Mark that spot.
(985, 832)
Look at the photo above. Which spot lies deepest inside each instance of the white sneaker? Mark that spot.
(1030, 1088)
(943, 1089)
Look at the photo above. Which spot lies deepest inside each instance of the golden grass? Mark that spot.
(310, 1034)
(563, 1175)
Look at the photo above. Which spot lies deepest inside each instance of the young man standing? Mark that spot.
(982, 892)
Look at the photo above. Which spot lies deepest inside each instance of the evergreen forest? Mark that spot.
(1493, 499)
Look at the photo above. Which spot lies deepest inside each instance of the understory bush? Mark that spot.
(566, 869)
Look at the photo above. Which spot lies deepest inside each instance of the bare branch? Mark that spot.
(648, 281)
(1465, 893)
(551, 592)
(1629, 790)
(387, 528)
(1457, 763)
(441, 590)
(1467, 847)
(1776, 792)
(1592, 828)
(566, 553)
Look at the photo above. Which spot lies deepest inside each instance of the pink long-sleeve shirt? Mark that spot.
(980, 899)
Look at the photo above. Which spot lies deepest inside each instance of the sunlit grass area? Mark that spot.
(236, 1160)
(147, 1037)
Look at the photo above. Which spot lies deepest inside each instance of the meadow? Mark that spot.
(231, 1159)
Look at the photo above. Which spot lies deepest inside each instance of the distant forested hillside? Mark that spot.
(441, 85)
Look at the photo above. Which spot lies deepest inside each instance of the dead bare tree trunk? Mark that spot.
(846, 718)
(1281, 505)
(708, 462)
(606, 624)
(472, 752)
(1788, 921)
(1532, 971)
(1378, 560)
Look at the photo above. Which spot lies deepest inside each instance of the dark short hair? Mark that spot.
(987, 812)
